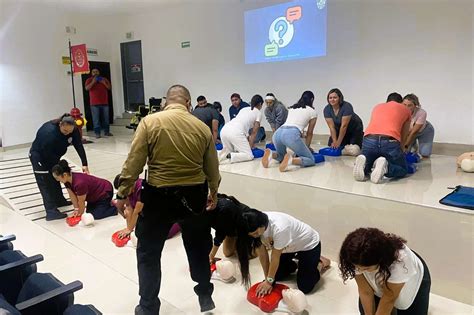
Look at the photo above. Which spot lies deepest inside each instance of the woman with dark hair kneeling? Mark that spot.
(388, 273)
(288, 238)
(82, 188)
(291, 135)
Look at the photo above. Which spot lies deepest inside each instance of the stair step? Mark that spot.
(121, 121)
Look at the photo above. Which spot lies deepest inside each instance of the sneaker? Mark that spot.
(380, 169)
(54, 214)
(267, 157)
(287, 161)
(359, 167)
(97, 135)
(222, 156)
(108, 134)
(206, 303)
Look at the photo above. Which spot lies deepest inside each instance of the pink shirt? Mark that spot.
(418, 118)
(388, 120)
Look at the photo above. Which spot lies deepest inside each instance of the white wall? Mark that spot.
(374, 48)
(34, 86)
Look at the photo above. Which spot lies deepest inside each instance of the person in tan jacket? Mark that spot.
(182, 184)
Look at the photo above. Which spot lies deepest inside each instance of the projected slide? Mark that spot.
(287, 31)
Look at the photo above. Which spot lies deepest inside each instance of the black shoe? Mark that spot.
(206, 302)
(64, 203)
(108, 134)
(54, 215)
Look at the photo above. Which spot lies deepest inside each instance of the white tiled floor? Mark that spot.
(109, 273)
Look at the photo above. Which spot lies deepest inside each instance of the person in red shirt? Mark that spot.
(382, 153)
(98, 88)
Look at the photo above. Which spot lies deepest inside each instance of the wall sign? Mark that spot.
(185, 44)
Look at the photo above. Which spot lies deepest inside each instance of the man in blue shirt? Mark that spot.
(237, 105)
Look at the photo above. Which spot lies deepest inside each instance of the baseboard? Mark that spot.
(440, 148)
(15, 147)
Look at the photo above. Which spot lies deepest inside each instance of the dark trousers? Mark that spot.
(308, 274)
(162, 208)
(374, 147)
(100, 118)
(102, 208)
(49, 187)
(351, 137)
(422, 299)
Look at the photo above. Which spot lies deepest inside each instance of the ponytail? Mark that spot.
(61, 168)
(305, 100)
(257, 100)
(250, 221)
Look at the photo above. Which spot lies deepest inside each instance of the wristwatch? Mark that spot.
(270, 280)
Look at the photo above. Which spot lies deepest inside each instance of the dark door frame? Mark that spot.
(104, 69)
(125, 80)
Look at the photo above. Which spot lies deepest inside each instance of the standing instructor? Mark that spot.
(183, 178)
(50, 144)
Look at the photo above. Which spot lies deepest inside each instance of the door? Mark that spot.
(132, 74)
(104, 69)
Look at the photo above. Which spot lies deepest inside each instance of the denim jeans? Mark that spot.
(290, 137)
(425, 140)
(374, 147)
(100, 118)
(260, 135)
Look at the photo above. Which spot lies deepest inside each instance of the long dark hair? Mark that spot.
(256, 101)
(338, 92)
(250, 220)
(65, 118)
(369, 247)
(306, 99)
(61, 168)
(233, 199)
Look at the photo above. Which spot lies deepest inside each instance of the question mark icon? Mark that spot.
(281, 27)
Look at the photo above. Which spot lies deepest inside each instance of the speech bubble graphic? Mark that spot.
(293, 13)
(271, 50)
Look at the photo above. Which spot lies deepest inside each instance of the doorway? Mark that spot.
(132, 74)
(104, 69)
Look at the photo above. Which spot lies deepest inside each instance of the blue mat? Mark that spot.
(270, 146)
(330, 151)
(257, 153)
(461, 197)
(318, 158)
(412, 158)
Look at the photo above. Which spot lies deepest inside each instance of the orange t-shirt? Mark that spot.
(388, 120)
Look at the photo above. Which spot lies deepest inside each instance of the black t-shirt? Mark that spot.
(224, 219)
(206, 114)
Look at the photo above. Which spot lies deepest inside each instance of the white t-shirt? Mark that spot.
(300, 117)
(409, 270)
(290, 234)
(245, 119)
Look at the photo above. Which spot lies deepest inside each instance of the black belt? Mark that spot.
(381, 137)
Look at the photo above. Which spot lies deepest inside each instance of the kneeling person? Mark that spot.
(82, 188)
